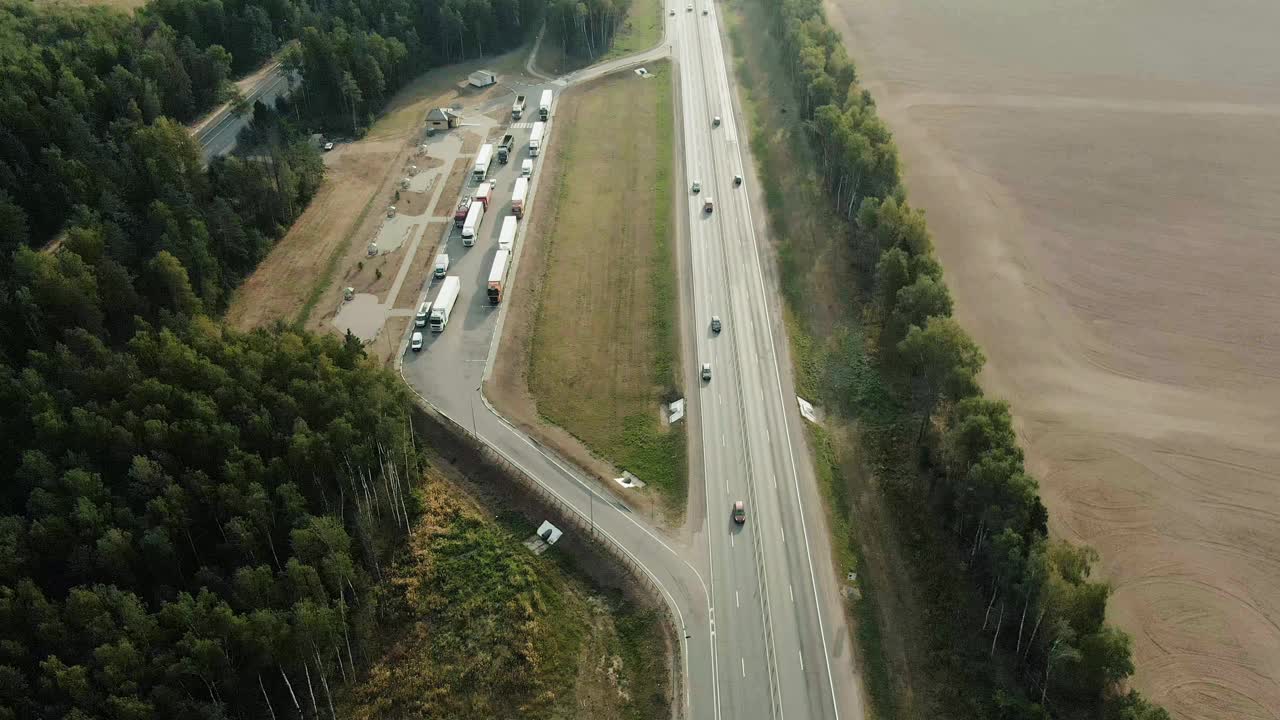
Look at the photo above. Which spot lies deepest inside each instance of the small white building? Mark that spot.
(483, 78)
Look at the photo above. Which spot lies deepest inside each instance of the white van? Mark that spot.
(442, 266)
(420, 319)
(526, 168)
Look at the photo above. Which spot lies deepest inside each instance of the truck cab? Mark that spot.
(708, 206)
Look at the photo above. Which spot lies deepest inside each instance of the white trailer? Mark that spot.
(507, 238)
(518, 196)
(475, 216)
(483, 161)
(544, 105)
(498, 277)
(535, 138)
(444, 302)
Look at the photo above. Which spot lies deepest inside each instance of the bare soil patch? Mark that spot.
(1107, 216)
(280, 286)
(423, 263)
(449, 197)
(579, 346)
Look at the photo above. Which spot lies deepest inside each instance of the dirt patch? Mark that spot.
(423, 263)
(374, 275)
(1107, 220)
(390, 342)
(412, 203)
(471, 142)
(453, 188)
(596, 365)
(281, 285)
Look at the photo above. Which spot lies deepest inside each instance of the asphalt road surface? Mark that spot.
(758, 606)
(219, 136)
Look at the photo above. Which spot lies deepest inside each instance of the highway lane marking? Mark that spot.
(744, 666)
(731, 541)
(736, 601)
(801, 660)
(791, 592)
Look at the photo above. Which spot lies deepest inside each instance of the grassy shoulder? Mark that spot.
(604, 352)
(479, 627)
(829, 347)
(640, 30)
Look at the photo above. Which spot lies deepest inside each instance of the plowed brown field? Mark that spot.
(1103, 184)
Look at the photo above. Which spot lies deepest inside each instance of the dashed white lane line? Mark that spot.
(744, 666)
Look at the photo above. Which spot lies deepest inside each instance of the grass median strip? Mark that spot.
(605, 352)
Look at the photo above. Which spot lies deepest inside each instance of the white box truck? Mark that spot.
(498, 277)
(544, 105)
(424, 310)
(507, 238)
(518, 196)
(483, 161)
(475, 216)
(535, 138)
(442, 266)
(443, 305)
(526, 168)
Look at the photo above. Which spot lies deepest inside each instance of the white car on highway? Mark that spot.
(415, 343)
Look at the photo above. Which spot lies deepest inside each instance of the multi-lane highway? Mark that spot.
(758, 606)
(771, 580)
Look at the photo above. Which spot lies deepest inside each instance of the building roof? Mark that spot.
(440, 114)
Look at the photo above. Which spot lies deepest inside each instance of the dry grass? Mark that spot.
(602, 349)
(449, 198)
(281, 286)
(124, 5)
(423, 262)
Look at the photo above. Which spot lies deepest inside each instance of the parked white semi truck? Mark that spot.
(518, 195)
(498, 277)
(544, 105)
(535, 138)
(483, 161)
(507, 238)
(442, 308)
(471, 226)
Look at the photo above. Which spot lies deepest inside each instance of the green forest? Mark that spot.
(1021, 634)
(194, 522)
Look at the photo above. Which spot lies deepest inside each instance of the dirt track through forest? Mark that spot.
(1103, 185)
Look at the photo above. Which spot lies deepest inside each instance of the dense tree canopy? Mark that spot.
(190, 518)
(189, 522)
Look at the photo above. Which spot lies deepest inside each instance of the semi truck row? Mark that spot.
(469, 216)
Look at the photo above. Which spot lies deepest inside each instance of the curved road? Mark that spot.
(764, 634)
